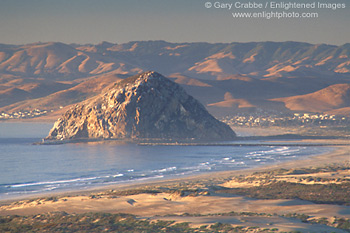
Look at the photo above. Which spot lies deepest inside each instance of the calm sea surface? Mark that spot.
(29, 169)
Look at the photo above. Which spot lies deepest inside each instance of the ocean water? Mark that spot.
(27, 169)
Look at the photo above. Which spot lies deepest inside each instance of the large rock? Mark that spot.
(143, 106)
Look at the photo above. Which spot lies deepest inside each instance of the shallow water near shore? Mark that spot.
(27, 169)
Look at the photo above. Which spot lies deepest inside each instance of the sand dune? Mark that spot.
(149, 205)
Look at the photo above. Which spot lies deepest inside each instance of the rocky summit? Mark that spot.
(145, 106)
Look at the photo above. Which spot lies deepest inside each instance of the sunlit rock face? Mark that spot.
(141, 107)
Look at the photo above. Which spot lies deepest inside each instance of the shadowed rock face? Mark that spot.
(143, 106)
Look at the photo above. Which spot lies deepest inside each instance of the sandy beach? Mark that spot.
(202, 207)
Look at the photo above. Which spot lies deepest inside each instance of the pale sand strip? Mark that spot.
(148, 205)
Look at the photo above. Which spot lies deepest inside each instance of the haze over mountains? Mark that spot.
(226, 78)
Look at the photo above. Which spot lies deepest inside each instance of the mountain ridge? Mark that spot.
(248, 71)
(257, 59)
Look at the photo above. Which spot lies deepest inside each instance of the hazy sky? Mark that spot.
(119, 21)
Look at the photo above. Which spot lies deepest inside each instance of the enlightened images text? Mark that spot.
(277, 5)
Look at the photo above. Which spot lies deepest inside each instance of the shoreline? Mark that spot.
(337, 155)
(196, 200)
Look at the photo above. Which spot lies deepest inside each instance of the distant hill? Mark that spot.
(74, 93)
(225, 77)
(330, 98)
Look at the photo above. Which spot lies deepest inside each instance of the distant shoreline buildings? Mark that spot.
(296, 119)
(242, 119)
